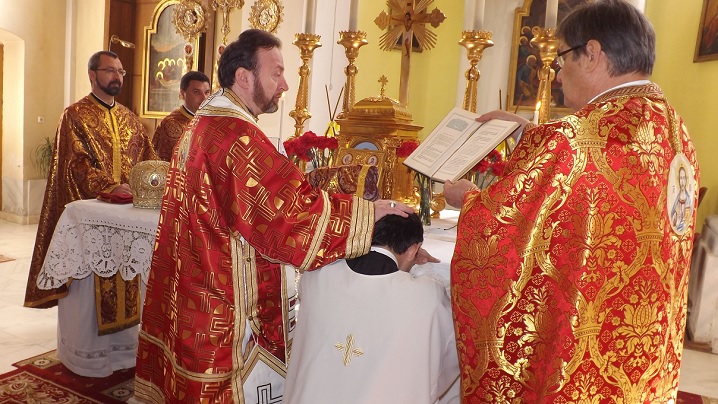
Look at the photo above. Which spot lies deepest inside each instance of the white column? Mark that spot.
(639, 4)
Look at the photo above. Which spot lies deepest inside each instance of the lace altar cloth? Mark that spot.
(100, 237)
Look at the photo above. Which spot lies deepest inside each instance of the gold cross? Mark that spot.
(348, 350)
(383, 80)
(407, 19)
(226, 6)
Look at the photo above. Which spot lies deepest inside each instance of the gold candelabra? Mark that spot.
(306, 44)
(475, 42)
(351, 41)
(545, 40)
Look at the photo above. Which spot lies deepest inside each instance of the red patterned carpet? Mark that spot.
(44, 379)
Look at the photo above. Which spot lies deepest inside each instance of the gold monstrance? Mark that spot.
(407, 20)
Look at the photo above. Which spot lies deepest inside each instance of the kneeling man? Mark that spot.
(370, 332)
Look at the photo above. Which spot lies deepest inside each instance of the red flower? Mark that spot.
(310, 147)
(482, 166)
(498, 168)
(407, 147)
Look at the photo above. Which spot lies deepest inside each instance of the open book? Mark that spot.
(457, 144)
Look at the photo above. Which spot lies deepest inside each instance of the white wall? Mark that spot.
(33, 32)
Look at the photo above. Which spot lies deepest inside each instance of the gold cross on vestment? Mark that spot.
(407, 19)
(348, 350)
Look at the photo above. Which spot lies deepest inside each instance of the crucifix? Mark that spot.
(407, 19)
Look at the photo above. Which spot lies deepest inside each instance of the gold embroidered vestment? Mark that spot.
(169, 131)
(219, 310)
(95, 148)
(568, 280)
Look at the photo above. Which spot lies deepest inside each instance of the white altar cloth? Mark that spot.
(100, 237)
(439, 241)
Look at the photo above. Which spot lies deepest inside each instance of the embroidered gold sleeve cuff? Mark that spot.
(361, 229)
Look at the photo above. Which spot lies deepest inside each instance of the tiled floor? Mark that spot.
(27, 332)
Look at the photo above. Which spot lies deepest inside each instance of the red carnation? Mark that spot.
(406, 148)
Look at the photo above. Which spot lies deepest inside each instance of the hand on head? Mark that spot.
(383, 207)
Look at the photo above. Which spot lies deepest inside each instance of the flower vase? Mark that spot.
(425, 195)
(403, 189)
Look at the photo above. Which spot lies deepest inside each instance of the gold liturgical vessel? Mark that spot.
(371, 132)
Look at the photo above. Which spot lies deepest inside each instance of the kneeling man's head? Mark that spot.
(402, 236)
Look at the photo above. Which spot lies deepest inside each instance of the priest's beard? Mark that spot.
(266, 104)
(113, 88)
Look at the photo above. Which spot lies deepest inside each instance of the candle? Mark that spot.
(353, 15)
(536, 113)
(310, 17)
(551, 13)
(479, 15)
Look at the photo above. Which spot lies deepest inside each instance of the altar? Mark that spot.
(103, 239)
(439, 241)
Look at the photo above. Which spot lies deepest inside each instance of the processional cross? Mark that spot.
(407, 19)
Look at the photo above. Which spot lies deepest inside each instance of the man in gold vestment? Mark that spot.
(194, 88)
(97, 143)
(219, 312)
(569, 278)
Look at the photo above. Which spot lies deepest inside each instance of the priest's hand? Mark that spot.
(508, 116)
(423, 257)
(383, 207)
(122, 189)
(504, 116)
(454, 191)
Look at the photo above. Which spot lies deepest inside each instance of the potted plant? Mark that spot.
(43, 156)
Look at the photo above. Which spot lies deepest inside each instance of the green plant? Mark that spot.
(43, 156)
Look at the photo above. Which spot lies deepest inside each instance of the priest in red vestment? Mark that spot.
(570, 273)
(238, 223)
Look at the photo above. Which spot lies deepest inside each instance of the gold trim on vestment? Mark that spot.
(239, 315)
(200, 377)
(320, 231)
(260, 354)
(148, 392)
(235, 108)
(361, 228)
(114, 284)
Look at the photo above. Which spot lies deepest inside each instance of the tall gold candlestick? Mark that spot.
(306, 44)
(351, 41)
(545, 40)
(475, 42)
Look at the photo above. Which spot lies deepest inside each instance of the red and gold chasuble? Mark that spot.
(570, 274)
(169, 131)
(95, 148)
(219, 309)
